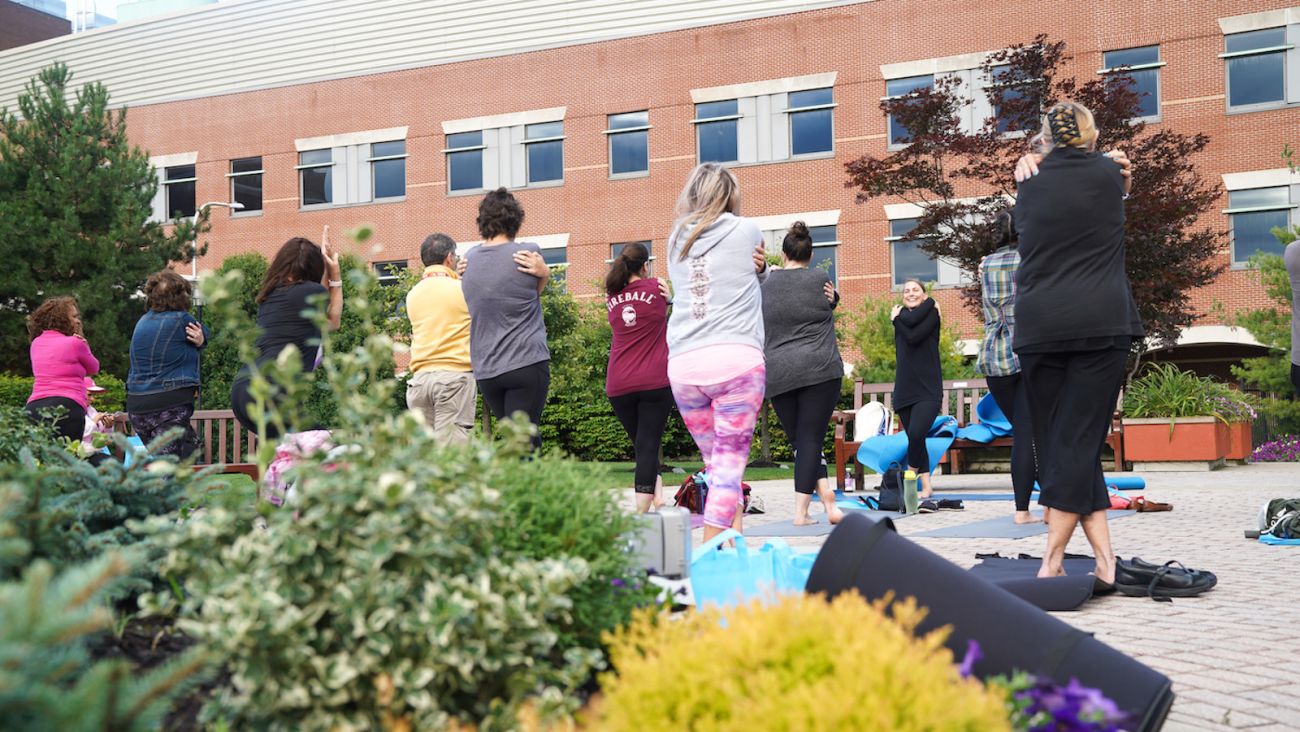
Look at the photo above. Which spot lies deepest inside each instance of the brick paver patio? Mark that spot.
(1231, 652)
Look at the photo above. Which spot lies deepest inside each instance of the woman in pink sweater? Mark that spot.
(61, 361)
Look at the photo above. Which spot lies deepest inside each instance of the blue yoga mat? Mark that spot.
(878, 453)
(1270, 539)
(992, 425)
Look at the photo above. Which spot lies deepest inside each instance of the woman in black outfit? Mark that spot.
(300, 271)
(1075, 324)
(804, 369)
(918, 378)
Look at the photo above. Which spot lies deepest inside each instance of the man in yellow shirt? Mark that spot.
(442, 386)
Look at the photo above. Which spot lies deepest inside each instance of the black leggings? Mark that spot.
(71, 425)
(1072, 397)
(917, 419)
(521, 390)
(1295, 379)
(644, 415)
(1012, 397)
(805, 413)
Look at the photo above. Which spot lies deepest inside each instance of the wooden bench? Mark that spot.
(960, 398)
(230, 446)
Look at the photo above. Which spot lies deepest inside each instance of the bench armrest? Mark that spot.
(841, 418)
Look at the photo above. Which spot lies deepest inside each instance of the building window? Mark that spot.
(512, 150)
(316, 177)
(1008, 95)
(388, 169)
(715, 129)
(1256, 68)
(629, 144)
(557, 258)
(825, 246)
(896, 88)
(1143, 66)
(544, 144)
(389, 273)
(179, 181)
(615, 249)
(910, 263)
(246, 184)
(1254, 213)
(465, 161)
(810, 122)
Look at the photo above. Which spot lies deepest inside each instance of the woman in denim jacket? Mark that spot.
(163, 384)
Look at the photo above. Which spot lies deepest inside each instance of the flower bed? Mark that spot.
(1282, 450)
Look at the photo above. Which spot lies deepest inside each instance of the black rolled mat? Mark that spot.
(1055, 594)
(872, 558)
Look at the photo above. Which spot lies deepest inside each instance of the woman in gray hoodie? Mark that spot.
(715, 333)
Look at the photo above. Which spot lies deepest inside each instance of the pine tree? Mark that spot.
(943, 166)
(75, 201)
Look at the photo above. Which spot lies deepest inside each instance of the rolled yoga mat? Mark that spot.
(821, 528)
(870, 557)
(1054, 594)
(1119, 482)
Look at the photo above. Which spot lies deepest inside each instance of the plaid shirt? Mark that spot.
(998, 280)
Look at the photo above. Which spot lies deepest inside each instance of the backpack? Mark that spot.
(1280, 518)
(694, 493)
(872, 420)
(891, 491)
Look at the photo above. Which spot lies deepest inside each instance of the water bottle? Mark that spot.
(910, 500)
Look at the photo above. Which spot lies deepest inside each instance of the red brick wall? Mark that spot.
(657, 72)
(20, 25)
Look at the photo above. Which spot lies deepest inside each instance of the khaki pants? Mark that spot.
(446, 399)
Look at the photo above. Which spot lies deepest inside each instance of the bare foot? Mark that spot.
(922, 495)
(1025, 517)
(834, 514)
(804, 521)
(1047, 571)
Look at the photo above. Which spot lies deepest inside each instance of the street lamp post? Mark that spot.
(194, 261)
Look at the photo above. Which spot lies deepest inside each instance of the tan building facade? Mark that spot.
(595, 113)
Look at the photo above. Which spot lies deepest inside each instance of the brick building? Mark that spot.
(399, 113)
(20, 25)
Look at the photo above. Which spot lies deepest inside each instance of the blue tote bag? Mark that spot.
(728, 577)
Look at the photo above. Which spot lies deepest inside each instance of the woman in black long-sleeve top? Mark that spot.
(1075, 323)
(918, 378)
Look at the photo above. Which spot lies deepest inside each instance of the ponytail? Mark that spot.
(629, 262)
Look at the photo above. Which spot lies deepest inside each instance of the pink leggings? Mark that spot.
(721, 418)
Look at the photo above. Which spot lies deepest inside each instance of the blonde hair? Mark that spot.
(711, 190)
(1068, 124)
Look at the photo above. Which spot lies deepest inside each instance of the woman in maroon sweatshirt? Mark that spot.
(637, 378)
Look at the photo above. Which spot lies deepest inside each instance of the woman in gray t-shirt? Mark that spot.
(503, 283)
(804, 369)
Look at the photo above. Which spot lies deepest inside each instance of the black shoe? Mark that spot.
(1160, 583)
(1138, 563)
(951, 504)
(927, 506)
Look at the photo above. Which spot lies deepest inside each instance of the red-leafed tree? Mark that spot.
(960, 178)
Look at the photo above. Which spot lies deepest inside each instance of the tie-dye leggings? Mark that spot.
(721, 418)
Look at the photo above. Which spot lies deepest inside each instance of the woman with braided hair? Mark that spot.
(1075, 324)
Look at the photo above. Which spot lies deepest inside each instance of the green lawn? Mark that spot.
(619, 475)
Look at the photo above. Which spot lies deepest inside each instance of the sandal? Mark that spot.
(1142, 505)
(951, 504)
(1139, 563)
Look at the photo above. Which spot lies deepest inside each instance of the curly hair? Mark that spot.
(499, 213)
(166, 291)
(56, 313)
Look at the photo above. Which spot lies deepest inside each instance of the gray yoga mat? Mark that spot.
(821, 528)
(1002, 527)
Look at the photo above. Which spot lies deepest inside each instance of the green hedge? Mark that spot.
(15, 390)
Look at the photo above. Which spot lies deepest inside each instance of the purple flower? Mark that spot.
(1283, 449)
(973, 656)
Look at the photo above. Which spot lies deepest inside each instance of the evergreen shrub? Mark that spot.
(782, 665)
(15, 390)
(47, 680)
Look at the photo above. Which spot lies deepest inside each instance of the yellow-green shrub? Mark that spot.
(800, 664)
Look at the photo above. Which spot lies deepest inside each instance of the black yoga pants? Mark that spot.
(1013, 399)
(644, 414)
(917, 419)
(1072, 397)
(805, 413)
(71, 425)
(241, 400)
(1295, 379)
(521, 390)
